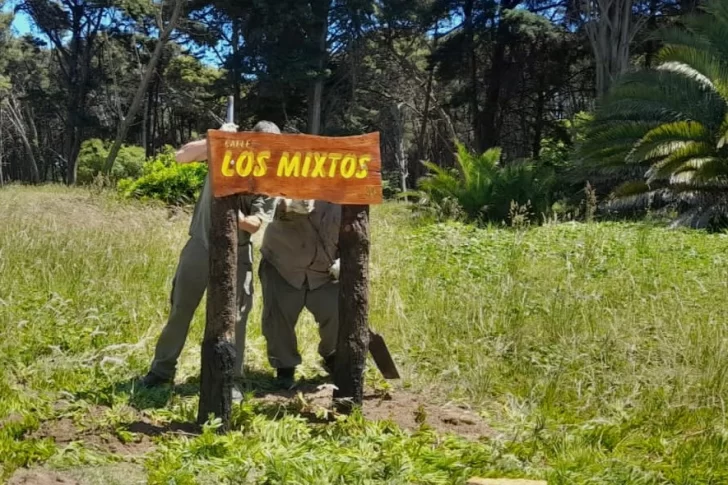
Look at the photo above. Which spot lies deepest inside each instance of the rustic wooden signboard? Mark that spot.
(342, 170)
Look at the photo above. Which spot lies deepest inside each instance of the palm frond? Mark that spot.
(661, 96)
(707, 169)
(687, 37)
(723, 133)
(713, 28)
(631, 188)
(668, 138)
(677, 159)
(699, 65)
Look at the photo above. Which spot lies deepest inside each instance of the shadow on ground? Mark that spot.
(311, 398)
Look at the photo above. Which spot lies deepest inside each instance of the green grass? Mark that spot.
(597, 352)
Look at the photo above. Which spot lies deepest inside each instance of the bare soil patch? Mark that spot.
(407, 410)
(64, 431)
(112, 474)
(148, 428)
(40, 477)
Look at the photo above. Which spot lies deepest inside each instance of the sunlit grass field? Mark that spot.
(597, 353)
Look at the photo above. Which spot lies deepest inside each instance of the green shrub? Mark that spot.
(483, 190)
(556, 151)
(390, 188)
(165, 180)
(92, 158)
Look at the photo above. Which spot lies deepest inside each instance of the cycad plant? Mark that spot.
(483, 189)
(669, 126)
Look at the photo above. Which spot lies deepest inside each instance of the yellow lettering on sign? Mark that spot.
(297, 164)
(227, 170)
(262, 164)
(334, 157)
(318, 169)
(238, 143)
(363, 166)
(289, 165)
(348, 166)
(306, 165)
(245, 164)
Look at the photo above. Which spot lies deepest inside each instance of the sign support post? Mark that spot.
(353, 342)
(218, 351)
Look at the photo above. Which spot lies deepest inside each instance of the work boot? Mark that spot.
(153, 380)
(285, 377)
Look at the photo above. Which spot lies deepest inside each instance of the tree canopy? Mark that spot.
(427, 74)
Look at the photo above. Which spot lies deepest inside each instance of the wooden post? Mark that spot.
(218, 351)
(353, 342)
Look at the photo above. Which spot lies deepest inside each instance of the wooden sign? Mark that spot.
(341, 170)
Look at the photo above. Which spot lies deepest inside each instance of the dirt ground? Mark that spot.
(40, 477)
(64, 431)
(113, 474)
(407, 410)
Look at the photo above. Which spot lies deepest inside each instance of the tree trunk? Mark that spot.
(610, 28)
(317, 88)
(487, 129)
(16, 119)
(71, 141)
(473, 66)
(353, 340)
(235, 71)
(421, 155)
(651, 45)
(218, 351)
(538, 121)
(145, 123)
(136, 103)
(314, 106)
(399, 152)
(156, 128)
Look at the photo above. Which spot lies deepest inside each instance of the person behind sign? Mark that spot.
(299, 269)
(190, 280)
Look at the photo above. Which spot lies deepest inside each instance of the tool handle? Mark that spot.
(229, 118)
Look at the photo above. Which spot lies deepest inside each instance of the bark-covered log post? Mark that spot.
(218, 351)
(353, 342)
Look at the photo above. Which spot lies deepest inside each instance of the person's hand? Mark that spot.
(335, 269)
(303, 207)
(229, 127)
(195, 151)
(249, 224)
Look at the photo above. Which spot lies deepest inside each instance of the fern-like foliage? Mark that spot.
(669, 126)
(484, 189)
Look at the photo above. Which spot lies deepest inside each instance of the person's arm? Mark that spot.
(249, 224)
(262, 209)
(195, 151)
